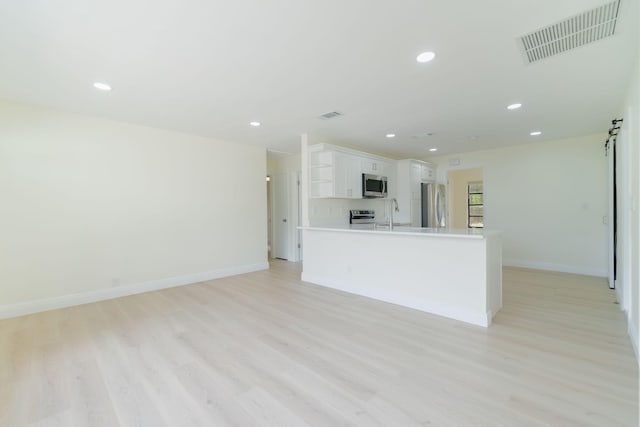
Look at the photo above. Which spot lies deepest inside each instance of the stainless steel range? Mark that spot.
(358, 216)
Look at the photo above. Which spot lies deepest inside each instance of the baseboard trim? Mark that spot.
(561, 268)
(476, 318)
(46, 304)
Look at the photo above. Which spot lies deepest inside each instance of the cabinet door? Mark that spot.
(427, 173)
(347, 176)
(354, 187)
(341, 175)
(374, 167)
(416, 178)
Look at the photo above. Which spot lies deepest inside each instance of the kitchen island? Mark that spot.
(451, 273)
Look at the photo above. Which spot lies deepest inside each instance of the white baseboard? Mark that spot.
(556, 267)
(475, 318)
(46, 304)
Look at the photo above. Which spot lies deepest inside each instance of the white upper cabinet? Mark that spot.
(329, 174)
(348, 182)
(427, 172)
(374, 167)
(413, 184)
(335, 172)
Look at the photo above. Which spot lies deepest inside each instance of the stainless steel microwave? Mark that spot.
(374, 186)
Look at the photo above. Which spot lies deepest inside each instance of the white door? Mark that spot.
(612, 218)
(280, 195)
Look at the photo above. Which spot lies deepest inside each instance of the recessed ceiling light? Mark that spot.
(254, 124)
(535, 133)
(390, 135)
(102, 86)
(425, 57)
(433, 149)
(514, 106)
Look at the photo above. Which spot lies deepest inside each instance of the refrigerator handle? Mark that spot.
(438, 207)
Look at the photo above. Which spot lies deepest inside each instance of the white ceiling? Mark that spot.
(209, 67)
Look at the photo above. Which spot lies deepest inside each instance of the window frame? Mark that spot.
(469, 204)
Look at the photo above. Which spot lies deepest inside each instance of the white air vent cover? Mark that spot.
(587, 27)
(330, 115)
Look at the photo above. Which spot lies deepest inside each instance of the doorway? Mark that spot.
(284, 219)
(466, 198)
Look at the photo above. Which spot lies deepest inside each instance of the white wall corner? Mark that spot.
(304, 179)
(46, 304)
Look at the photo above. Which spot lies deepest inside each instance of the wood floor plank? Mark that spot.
(265, 349)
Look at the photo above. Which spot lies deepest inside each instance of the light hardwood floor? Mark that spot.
(266, 349)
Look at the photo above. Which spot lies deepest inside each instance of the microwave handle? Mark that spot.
(384, 188)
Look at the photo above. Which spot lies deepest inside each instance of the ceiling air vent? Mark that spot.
(330, 115)
(579, 30)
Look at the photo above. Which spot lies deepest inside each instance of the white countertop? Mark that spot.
(473, 233)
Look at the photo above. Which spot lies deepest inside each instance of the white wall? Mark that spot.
(628, 147)
(634, 259)
(549, 199)
(91, 206)
(287, 164)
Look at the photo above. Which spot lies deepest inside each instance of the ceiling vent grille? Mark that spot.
(579, 30)
(330, 115)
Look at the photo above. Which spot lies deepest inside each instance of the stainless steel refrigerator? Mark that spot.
(434, 212)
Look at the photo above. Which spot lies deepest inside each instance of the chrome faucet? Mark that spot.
(393, 206)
